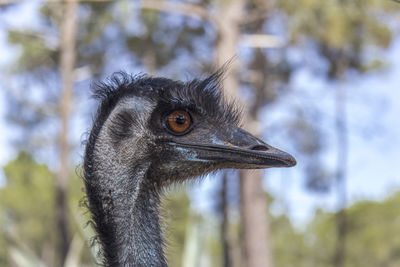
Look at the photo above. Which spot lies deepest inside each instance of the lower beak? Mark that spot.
(242, 150)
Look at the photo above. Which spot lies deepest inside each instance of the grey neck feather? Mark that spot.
(126, 213)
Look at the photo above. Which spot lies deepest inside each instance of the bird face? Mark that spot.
(184, 129)
(192, 142)
(198, 132)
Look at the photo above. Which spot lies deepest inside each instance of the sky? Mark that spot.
(374, 144)
(373, 164)
(373, 167)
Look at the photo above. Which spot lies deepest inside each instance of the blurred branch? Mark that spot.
(261, 40)
(189, 10)
(51, 42)
(22, 258)
(74, 252)
(19, 252)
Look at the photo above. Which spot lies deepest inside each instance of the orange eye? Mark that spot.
(179, 121)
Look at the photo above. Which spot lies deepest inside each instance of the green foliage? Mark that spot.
(40, 47)
(28, 216)
(162, 40)
(373, 233)
(27, 220)
(176, 214)
(26, 203)
(289, 248)
(28, 213)
(372, 236)
(340, 30)
(35, 53)
(336, 23)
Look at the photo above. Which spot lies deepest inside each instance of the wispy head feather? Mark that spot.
(204, 94)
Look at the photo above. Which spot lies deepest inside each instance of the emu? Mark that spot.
(147, 134)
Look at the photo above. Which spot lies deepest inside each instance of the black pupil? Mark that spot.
(180, 119)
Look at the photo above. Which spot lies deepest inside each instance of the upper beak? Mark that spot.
(240, 150)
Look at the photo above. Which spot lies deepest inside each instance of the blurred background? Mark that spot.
(319, 79)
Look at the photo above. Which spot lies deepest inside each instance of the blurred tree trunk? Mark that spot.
(341, 179)
(254, 205)
(256, 249)
(255, 246)
(68, 30)
(226, 247)
(227, 39)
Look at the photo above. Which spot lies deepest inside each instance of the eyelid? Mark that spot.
(189, 107)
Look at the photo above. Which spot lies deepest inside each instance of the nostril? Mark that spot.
(259, 148)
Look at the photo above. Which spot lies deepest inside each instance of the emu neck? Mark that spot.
(125, 205)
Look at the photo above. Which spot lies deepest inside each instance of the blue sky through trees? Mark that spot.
(373, 103)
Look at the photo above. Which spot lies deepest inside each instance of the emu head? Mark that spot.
(181, 130)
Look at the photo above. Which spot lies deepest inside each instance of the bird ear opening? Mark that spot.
(121, 126)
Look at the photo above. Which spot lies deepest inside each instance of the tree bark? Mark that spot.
(254, 207)
(226, 247)
(255, 247)
(67, 62)
(227, 22)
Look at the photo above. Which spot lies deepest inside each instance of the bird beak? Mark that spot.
(239, 149)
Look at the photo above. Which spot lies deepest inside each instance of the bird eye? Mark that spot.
(179, 121)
